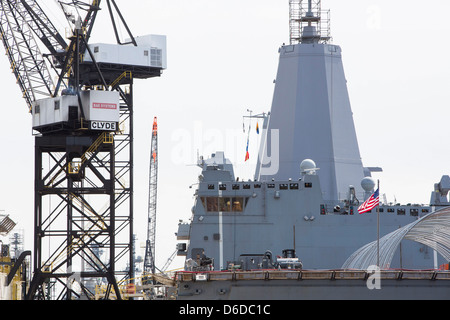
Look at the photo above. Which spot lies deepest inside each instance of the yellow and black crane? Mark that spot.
(81, 105)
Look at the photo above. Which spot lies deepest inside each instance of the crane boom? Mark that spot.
(42, 26)
(21, 24)
(27, 62)
(149, 260)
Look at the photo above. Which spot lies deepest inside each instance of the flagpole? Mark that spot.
(378, 229)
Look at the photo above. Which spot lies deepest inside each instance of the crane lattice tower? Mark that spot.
(83, 126)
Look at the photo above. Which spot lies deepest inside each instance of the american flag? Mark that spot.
(370, 203)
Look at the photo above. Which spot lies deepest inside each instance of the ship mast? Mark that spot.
(311, 116)
(308, 22)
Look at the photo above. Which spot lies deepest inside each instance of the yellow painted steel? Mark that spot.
(126, 74)
(14, 290)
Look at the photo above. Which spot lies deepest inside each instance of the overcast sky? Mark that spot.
(222, 60)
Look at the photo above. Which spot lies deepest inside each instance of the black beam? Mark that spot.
(16, 266)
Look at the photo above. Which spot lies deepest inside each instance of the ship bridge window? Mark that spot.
(283, 186)
(401, 212)
(222, 186)
(203, 202)
(390, 210)
(246, 186)
(271, 185)
(238, 204)
(257, 185)
(414, 212)
(308, 185)
(211, 204)
(224, 204)
(210, 187)
(293, 186)
(235, 187)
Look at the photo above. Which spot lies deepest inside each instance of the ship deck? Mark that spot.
(185, 276)
(314, 285)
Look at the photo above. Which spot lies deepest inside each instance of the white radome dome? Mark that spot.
(368, 184)
(308, 166)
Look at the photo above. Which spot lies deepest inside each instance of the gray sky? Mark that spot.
(222, 60)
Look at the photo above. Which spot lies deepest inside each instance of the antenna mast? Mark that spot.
(308, 22)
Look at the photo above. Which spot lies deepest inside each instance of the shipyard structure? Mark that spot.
(80, 97)
(309, 225)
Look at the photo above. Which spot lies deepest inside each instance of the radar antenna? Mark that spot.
(308, 22)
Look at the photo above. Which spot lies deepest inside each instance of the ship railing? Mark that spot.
(184, 276)
(342, 207)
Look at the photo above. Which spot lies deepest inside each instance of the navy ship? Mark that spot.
(302, 217)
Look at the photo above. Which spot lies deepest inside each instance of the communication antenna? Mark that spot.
(308, 22)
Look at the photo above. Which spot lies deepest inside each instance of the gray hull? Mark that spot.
(316, 285)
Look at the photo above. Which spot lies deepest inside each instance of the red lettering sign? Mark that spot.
(109, 106)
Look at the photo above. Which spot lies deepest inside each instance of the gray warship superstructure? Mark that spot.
(300, 212)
